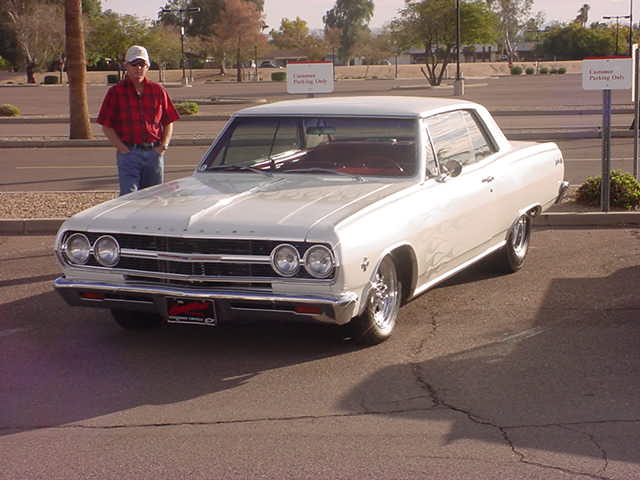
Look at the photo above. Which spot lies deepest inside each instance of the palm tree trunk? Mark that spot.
(79, 126)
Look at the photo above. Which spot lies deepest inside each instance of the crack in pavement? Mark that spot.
(594, 440)
(439, 402)
(22, 428)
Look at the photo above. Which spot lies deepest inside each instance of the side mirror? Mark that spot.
(450, 169)
(453, 168)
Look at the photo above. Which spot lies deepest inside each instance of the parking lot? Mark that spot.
(531, 375)
(534, 375)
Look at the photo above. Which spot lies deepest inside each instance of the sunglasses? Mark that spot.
(138, 63)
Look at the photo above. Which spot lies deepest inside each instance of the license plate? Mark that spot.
(198, 312)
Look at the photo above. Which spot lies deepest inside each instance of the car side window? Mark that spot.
(481, 145)
(458, 136)
(450, 138)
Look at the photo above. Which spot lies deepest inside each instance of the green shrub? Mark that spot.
(8, 110)
(529, 71)
(625, 191)
(50, 80)
(553, 70)
(516, 70)
(562, 70)
(112, 78)
(279, 76)
(544, 70)
(187, 108)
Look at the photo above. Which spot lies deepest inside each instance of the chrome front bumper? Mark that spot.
(562, 191)
(152, 298)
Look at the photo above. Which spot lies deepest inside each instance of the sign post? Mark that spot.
(636, 108)
(606, 74)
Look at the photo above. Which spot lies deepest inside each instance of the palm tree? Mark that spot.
(583, 15)
(76, 70)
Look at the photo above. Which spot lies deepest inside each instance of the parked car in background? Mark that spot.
(268, 64)
(334, 210)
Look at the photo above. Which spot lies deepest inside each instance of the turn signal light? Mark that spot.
(92, 296)
(308, 309)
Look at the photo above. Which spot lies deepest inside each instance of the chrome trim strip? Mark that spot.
(203, 278)
(195, 257)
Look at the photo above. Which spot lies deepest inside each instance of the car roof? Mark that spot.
(391, 106)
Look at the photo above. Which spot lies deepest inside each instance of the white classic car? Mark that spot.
(334, 210)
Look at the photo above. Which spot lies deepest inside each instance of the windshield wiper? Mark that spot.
(322, 170)
(240, 168)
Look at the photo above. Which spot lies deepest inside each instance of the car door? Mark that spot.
(459, 224)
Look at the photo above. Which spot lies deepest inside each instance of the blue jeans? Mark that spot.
(139, 169)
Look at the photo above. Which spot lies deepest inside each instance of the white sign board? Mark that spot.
(310, 77)
(615, 73)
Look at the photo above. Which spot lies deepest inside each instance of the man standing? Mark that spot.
(137, 117)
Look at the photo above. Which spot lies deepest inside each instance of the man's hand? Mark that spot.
(160, 149)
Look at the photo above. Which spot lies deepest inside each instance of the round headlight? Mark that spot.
(107, 251)
(319, 262)
(77, 249)
(285, 260)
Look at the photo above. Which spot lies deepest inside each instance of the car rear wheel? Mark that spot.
(378, 320)
(130, 320)
(512, 256)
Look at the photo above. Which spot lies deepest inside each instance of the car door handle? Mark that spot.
(488, 179)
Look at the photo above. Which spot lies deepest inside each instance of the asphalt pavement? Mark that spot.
(534, 375)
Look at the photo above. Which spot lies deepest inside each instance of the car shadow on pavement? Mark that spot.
(60, 365)
(569, 384)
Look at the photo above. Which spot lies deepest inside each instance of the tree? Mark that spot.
(292, 34)
(163, 44)
(513, 16)
(112, 34)
(200, 23)
(583, 15)
(352, 18)
(431, 23)
(239, 30)
(79, 126)
(574, 42)
(38, 31)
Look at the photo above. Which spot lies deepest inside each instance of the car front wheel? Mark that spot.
(377, 321)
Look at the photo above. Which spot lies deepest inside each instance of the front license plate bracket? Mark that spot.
(192, 311)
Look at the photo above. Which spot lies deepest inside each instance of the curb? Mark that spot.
(50, 226)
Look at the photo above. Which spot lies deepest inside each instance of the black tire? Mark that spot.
(511, 257)
(378, 320)
(130, 320)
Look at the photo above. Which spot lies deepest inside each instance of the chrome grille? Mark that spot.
(140, 252)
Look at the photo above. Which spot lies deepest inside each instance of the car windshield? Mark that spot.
(313, 145)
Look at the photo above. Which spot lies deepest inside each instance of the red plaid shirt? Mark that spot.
(137, 119)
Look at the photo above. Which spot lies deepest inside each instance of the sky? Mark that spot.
(312, 10)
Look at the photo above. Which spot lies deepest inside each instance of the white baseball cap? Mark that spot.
(137, 52)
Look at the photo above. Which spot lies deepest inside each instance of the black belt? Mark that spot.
(142, 146)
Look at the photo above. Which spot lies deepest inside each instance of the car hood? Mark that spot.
(231, 205)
